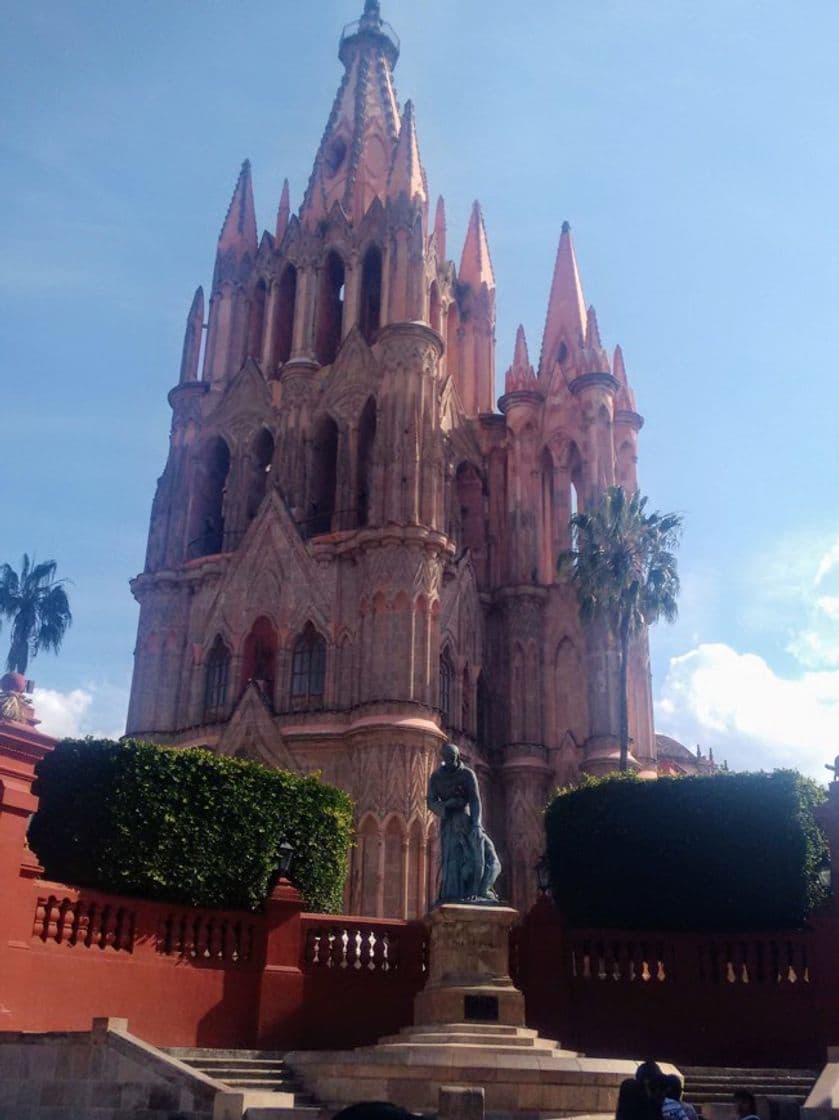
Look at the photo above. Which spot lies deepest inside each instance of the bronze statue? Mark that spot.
(469, 864)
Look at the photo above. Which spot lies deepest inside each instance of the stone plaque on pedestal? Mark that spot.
(469, 972)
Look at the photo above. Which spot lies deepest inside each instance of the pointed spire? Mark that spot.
(406, 174)
(239, 229)
(566, 319)
(283, 213)
(192, 338)
(625, 400)
(440, 228)
(475, 263)
(520, 374)
(592, 330)
(356, 150)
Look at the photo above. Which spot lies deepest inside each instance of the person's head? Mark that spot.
(374, 1110)
(658, 1088)
(744, 1103)
(450, 756)
(646, 1073)
(674, 1086)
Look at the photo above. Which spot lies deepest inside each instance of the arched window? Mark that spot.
(434, 312)
(308, 669)
(216, 681)
(446, 682)
(330, 309)
(547, 557)
(366, 435)
(259, 464)
(256, 320)
(370, 306)
(324, 476)
(575, 464)
(626, 467)
(286, 299)
(366, 859)
(260, 656)
(206, 517)
(470, 511)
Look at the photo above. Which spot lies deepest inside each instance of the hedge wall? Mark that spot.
(186, 825)
(726, 852)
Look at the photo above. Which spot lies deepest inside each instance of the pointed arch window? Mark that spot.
(308, 669)
(324, 477)
(216, 680)
(260, 656)
(370, 306)
(466, 702)
(446, 683)
(206, 518)
(330, 309)
(483, 713)
(286, 300)
(260, 460)
(256, 320)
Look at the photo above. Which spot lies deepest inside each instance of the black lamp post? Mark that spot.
(286, 855)
(543, 875)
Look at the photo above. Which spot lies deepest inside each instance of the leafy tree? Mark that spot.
(36, 604)
(623, 570)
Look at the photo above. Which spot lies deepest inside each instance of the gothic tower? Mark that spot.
(352, 555)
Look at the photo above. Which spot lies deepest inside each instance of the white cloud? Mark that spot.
(95, 710)
(737, 704)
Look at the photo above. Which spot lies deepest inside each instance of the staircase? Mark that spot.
(709, 1089)
(262, 1071)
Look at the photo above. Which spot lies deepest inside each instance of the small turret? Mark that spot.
(238, 234)
(192, 338)
(594, 358)
(406, 175)
(475, 262)
(625, 400)
(520, 375)
(283, 213)
(440, 229)
(565, 324)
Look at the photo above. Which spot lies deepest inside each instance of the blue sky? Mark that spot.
(692, 146)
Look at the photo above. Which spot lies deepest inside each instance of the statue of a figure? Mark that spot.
(469, 864)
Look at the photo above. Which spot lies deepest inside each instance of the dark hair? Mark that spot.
(674, 1086)
(374, 1110)
(746, 1097)
(647, 1071)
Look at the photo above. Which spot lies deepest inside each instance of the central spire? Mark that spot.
(356, 152)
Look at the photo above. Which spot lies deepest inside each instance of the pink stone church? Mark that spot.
(352, 553)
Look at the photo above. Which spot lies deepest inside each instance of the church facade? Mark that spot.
(352, 553)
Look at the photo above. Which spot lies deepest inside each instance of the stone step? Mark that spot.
(494, 1030)
(444, 1038)
(222, 1072)
(183, 1053)
(743, 1071)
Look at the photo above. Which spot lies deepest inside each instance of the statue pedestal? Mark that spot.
(469, 979)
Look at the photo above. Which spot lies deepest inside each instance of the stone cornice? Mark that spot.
(185, 390)
(632, 419)
(594, 381)
(533, 397)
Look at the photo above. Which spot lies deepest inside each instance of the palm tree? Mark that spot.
(36, 604)
(623, 570)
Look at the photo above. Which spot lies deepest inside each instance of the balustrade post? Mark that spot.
(21, 749)
(542, 967)
(281, 986)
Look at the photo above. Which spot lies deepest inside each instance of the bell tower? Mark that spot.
(352, 554)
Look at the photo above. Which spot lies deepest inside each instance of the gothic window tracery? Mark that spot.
(324, 477)
(206, 520)
(370, 305)
(308, 669)
(330, 309)
(256, 320)
(260, 656)
(260, 460)
(216, 680)
(286, 299)
(435, 318)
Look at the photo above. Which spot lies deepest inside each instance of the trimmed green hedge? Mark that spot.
(725, 852)
(187, 825)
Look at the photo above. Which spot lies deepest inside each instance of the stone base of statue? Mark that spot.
(468, 977)
(469, 1031)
